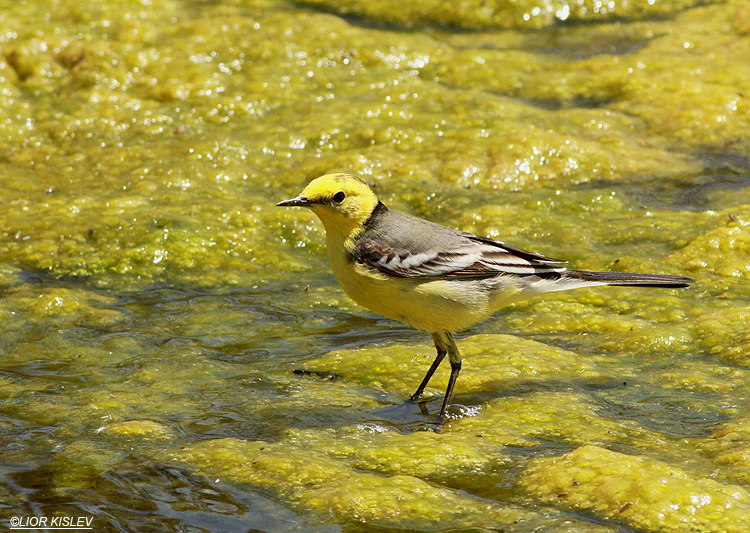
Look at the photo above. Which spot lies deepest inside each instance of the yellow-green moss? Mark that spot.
(322, 485)
(473, 14)
(729, 446)
(140, 429)
(153, 297)
(643, 493)
(331, 490)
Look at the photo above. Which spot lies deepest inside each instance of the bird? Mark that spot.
(431, 277)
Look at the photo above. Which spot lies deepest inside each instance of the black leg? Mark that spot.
(455, 369)
(436, 363)
(444, 345)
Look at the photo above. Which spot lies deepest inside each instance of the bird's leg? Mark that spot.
(445, 345)
(441, 351)
(455, 359)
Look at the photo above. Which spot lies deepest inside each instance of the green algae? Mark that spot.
(490, 358)
(729, 446)
(138, 429)
(726, 334)
(503, 14)
(155, 303)
(723, 250)
(319, 484)
(641, 492)
(696, 100)
(77, 465)
(393, 127)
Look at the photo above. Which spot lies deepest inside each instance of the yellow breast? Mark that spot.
(435, 305)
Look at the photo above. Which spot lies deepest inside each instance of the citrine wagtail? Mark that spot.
(432, 277)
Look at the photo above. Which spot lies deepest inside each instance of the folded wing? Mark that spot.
(400, 245)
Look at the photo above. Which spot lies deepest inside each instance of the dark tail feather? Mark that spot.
(632, 279)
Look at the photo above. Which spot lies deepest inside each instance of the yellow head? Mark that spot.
(342, 202)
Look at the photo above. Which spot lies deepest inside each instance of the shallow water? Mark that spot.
(175, 354)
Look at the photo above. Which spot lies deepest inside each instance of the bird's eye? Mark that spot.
(339, 197)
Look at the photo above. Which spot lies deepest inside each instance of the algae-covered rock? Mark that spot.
(729, 445)
(330, 489)
(430, 455)
(527, 419)
(643, 493)
(159, 150)
(473, 14)
(138, 429)
(78, 464)
(65, 305)
(490, 361)
(698, 98)
(725, 333)
(723, 250)
(704, 376)
(150, 289)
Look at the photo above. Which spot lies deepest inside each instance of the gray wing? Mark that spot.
(400, 245)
